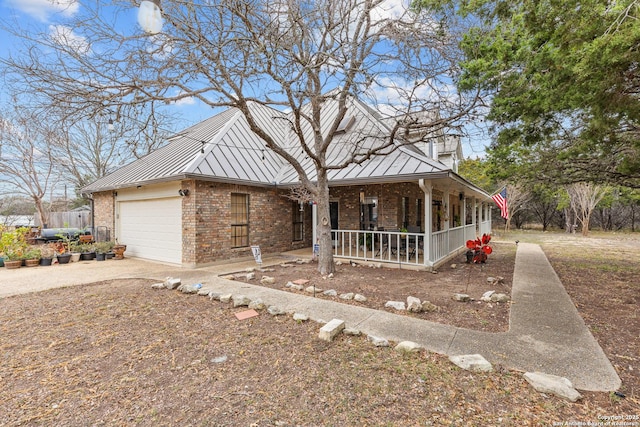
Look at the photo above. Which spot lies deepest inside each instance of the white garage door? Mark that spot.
(152, 229)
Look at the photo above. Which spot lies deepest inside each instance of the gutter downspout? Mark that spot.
(427, 188)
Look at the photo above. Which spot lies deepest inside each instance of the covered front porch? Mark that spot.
(419, 224)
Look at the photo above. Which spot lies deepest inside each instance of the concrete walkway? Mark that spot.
(546, 332)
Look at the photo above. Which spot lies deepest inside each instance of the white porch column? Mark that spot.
(474, 214)
(487, 217)
(463, 211)
(478, 213)
(446, 208)
(427, 188)
(314, 221)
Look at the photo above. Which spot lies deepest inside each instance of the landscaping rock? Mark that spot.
(228, 277)
(275, 311)
(203, 292)
(472, 362)
(414, 304)
(330, 293)
(226, 298)
(267, 280)
(296, 287)
(189, 289)
(240, 301)
(408, 347)
(158, 286)
(429, 307)
(499, 298)
(313, 290)
(329, 331)
(377, 341)
(300, 317)
(347, 296)
(545, 383)
(486, 297)
(257, 304)
(359, 298)
(461, 297)
(214, 295)
(251, 276)
(171, 283)
(397, 305)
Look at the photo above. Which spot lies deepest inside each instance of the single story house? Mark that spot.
(214, 190)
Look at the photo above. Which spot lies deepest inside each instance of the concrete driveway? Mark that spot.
(35, 279)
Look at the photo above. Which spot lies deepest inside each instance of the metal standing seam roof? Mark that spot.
(233, 153)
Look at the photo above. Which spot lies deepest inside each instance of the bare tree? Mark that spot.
(94, 147)
(517, 199)
(26, 162)
(584, 197)
(283, 54)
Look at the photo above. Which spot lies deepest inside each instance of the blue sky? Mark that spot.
(52, 15)
(48, 15)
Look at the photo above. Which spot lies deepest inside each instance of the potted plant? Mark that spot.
(119, 249)
(32, 256)
(74, 248)
(101, 250)
(46, 255)
(13, 245)
(87, 251)
(64, 254)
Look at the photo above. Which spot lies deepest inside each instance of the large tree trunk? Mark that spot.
(325, 256)
(41, 211)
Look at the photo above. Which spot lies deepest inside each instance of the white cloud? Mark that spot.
(390, 9)
(41, 9)
(189, 100)
(64, 36)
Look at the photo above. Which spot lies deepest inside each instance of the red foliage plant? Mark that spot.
(479, 249)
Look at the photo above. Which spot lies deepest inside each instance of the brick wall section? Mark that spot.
(389, 203)
(207, 233)
(104, 211)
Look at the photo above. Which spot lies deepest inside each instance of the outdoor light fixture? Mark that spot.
(183, 193)
(150, 16)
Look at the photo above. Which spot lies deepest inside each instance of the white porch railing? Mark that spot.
(401, 247)
(382, 246)
(485, 227)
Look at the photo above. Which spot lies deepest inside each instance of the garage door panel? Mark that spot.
(152, 229)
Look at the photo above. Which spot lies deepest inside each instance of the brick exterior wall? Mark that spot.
(104, 211)
(206, 220)
(389, 204)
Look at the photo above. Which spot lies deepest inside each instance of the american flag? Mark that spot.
(501, 200)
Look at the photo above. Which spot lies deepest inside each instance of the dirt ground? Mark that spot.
(119, 353)
(380, 285)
